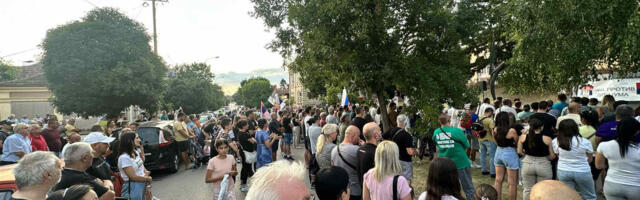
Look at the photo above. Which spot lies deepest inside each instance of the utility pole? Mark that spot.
(155, 35)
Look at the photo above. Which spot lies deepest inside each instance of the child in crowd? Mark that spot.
(486, 192)
(220, 166)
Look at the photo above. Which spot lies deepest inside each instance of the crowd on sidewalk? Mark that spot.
(582, 149)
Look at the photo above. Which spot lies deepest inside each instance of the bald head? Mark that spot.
(371, 129)
(574, 108)
(553, 190)
(352, 134)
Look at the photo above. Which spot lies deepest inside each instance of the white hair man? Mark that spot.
(403, 139)
(16, 145)
(78, 158)
(279, 180)
(35, 174)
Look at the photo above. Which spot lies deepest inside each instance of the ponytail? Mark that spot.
(320, 143)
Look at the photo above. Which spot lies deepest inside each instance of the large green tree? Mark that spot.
(102, 64)
(372, 45)
(7, 71)
(253, 91)
(193, 89)
(564, 43)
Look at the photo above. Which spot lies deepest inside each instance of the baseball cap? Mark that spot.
(7, 122)
(97, 137)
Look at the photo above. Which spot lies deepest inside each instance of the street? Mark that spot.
(189, 184)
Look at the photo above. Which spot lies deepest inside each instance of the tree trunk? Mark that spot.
(384, 117)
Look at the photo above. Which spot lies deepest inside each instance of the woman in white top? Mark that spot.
(574, 154)
(442, 182)
(131, 166)
(623, 156)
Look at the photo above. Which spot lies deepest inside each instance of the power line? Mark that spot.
(89, 2)
(19, 52)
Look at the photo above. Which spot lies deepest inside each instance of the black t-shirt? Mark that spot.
(243, 138)
(209, 128)
(402, 139)
(285, 123)
(274, 126)
(518, 128)
(3, 136)
(548, 121)
(366, 155)
(100, 169)
(73, 177)
(359, 122)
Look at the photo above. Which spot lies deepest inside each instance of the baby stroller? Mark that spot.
(197, 153)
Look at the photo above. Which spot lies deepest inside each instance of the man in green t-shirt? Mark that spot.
(451, 143)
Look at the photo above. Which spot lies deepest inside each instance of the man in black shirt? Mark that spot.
(405, 145)
(5, 131)
(548, 121)
(78, 159)
(359, 120)
(367, 152)
(275, 127)
(288, 135)
(99, 168)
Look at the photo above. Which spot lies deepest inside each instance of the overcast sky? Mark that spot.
(188, 30)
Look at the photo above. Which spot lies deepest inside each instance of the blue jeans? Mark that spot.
(487, 148)
(580, 181)
(136, 192)
(467, 184)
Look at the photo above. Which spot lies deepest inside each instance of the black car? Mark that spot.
(160, 152)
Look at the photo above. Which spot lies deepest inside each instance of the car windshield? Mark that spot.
(148, 135)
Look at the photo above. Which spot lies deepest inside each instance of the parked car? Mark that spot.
(160, 149)
(7, 182)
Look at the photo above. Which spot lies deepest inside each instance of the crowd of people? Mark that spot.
(58, 161)
(582, 149)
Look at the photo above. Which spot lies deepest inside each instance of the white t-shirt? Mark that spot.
(576, 159)
(484, 107)
(126, 161)
(314, 133)
(423, 196)
(625, 170)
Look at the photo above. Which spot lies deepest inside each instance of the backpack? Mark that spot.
(477, 129)
(466, 122)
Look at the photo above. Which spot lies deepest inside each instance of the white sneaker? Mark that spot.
(244, 188)
(474, 165)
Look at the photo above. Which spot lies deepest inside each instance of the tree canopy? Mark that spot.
(102, 64)
(562, 44)
(252, 91)
(193, 89)
(7, 71)
(372, 45)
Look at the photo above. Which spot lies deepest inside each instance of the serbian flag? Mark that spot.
(263, 109)
(345, 98)
(638, 88)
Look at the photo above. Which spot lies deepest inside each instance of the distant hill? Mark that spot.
(230, 81)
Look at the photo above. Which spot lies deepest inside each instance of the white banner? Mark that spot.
(620, 89)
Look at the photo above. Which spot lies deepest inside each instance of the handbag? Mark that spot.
(250, 157)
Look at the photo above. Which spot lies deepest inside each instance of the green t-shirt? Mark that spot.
(452, 145)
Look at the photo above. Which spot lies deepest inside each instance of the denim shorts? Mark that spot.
(507, 157)
(288, 138)
(133, 190)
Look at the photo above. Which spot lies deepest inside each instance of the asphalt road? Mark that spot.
(189, 184)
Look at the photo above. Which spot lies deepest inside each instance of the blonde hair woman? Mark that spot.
(325, 145)
(378, 181)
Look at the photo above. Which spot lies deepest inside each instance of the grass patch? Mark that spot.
(421, 171)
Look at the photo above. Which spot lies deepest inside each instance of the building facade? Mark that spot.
(298, 93)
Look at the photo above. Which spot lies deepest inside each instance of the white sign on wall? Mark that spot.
(620, 89)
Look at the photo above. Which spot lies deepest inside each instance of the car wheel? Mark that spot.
(176, 164)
